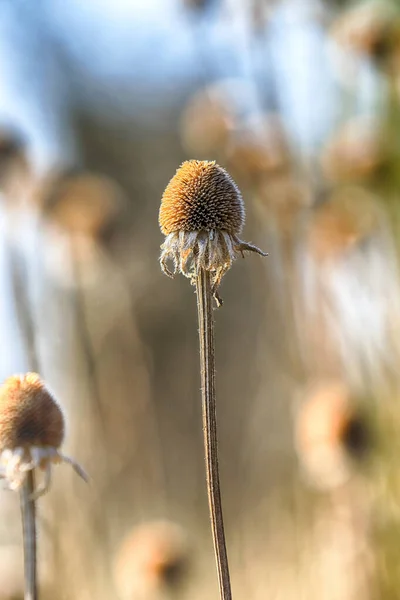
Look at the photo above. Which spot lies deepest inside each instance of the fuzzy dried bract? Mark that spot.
(32, 430)
(202, 215)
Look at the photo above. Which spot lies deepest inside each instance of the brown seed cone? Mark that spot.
(29, 415)
(201, 215)
(201, 196)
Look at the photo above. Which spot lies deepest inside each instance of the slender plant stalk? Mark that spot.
(86, 335)
(28, 515)
(207, 363)
(26, 320)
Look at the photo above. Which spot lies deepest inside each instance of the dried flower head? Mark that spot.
(258, 148)
(355, 153)
(331, 433)
(32, 430)
(342, 223)
(281, 200)
(207, 121)
(202, 214)
(370, 28)
(153, 556)
(81, 203)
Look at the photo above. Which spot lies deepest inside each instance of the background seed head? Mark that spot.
(201, 197)
(29, 415)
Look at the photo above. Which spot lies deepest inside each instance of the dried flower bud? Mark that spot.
(153, 556)
(82, 203)
(202, 214)
(32, 430)
(330, 432)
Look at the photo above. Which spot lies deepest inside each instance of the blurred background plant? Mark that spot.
(300, 101)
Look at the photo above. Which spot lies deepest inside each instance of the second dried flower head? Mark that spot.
(31, 431)
(202, 215)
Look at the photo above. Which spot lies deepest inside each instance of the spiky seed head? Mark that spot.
(202, 215)
(29, 415)
(201, 196)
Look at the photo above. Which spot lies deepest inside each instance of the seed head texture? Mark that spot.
(29, 415)
(202, 214)
(32, 430)
(201, 196)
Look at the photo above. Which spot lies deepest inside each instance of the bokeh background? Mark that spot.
(300, 100)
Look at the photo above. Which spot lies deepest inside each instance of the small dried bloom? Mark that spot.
(342, 223)
(202, 214)
(207, 122)
(355, 153)
(32, 430)
(152, 557)
(258, 148)
(331, 434)
(369, 28)
(83, 203)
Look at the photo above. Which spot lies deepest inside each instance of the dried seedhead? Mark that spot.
(258, 149)
(342, 223)
(207, 122)
(331, 434)
(355, 153)
(370, 28)
(153, 557)
(82, 203)
(32, 430)
(202, 214)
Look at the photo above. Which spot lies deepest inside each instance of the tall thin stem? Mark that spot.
(28, 515)
(207, 364)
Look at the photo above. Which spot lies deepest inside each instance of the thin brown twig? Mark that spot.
(28, 515)
(207, 363)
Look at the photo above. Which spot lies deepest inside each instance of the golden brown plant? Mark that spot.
(258, 149)
(370, 27)
(32, 429)
(331, 432)
(83, 204)
(31, 433)
(280, 200)
(341, 223)
(355, 152)
(202, 214)
(153, 557)
(206, 123)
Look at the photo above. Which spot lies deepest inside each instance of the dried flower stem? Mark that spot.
(28, 515)
(86, 334)
(26, 322)
(207, 363)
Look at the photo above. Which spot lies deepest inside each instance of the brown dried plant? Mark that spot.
(32, 428)
(153, 557)
(202, 214)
